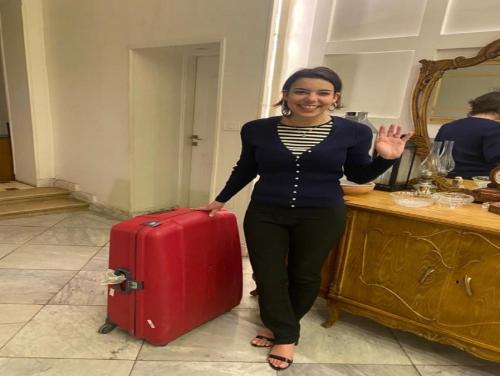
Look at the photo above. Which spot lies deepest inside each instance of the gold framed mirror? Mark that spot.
(424, 93)
(429, 78)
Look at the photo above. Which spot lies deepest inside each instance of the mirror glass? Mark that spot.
(442, 94)
(450, 97)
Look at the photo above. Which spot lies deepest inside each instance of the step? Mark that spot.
(32, 193)
(40, 205)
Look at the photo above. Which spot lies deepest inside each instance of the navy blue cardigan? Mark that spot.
(309, 180)
(477, 145)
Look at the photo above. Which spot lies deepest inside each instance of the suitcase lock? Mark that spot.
(129, 284)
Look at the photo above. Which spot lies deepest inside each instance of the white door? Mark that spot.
(203, 134)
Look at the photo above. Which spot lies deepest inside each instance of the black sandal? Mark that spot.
(280, 358)
(268, 339)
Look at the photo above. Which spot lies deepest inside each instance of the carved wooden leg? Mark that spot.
(334, 313)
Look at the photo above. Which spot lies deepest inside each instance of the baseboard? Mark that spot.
(91, 199)
(44, 183)
(84, 196)
(73, 187)
(109, 211)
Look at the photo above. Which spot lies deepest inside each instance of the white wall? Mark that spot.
(18, 91)
(375, 46)
(156, 75)
(87, 49)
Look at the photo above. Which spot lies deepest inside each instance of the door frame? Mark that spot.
(142, 204)
(5, 87)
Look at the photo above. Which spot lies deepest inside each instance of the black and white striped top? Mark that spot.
(300, 139)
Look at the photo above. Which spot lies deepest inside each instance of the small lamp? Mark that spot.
(396, 178)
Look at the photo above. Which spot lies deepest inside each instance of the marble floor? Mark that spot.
(51, 304)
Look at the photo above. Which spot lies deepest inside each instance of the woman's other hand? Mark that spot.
(212, 208)
(389, 144)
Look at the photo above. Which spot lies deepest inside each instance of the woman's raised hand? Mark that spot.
(389, 144)
(212, 208)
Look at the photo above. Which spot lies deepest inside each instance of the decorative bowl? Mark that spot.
(452, 199)
(350, 188)
(481, 181)
(411, 199)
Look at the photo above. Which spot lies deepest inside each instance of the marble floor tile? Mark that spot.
(153, 368)
(84, 289)
(7, 248)
(493, 370)
(88, 219)
(349, 370)
(46, 220)
(224, 339)
(71, 332)
(61, 339)
(64, 367)
(31, 286)
(67, 257)
(19, 234)
(72, 236)
(320, 305)
(12, 318)
(352, 340)
(425, 352)
(100, 261)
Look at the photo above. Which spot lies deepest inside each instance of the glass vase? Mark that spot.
(431, 164)
(446, 161)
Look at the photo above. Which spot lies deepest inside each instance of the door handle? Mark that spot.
(427, 273)
(195, 137)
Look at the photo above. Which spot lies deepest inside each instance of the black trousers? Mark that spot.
(287, 291)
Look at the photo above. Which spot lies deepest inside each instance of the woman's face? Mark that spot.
(310, 97)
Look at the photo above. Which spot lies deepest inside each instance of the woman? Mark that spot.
(297, 211)
(477, 138)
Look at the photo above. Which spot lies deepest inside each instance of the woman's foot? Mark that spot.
(281, 356)
(265, 338)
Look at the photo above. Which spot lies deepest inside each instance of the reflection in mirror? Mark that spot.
(476, 137)
(456, 88)
(442, 94)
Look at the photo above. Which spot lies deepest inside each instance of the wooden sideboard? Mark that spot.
(432, 271)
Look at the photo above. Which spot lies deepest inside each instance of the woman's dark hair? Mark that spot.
(323, 73)
(486, 103)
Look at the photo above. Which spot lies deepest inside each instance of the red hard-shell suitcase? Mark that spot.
(182, 268)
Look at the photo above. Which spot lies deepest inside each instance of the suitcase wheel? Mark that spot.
(107, 327)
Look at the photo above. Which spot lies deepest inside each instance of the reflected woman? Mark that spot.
(477, 138)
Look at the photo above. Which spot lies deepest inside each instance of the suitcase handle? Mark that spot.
(129, 284)
(174, 213)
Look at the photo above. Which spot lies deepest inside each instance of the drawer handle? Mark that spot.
(427, 273)
(468, 288)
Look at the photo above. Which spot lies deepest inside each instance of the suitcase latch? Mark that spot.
(135, 285)
(128, 284)
(152, 223)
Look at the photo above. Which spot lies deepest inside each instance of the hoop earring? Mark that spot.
(285, 110)
(332, 107)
